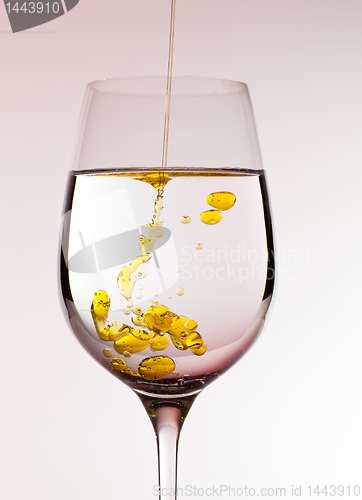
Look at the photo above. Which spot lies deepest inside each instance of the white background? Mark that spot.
(289, 413)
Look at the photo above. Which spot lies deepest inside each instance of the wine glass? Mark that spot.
(167, 270)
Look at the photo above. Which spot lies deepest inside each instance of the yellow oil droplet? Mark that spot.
(107, 361)
(185, 219)
(99, 311)
(126, 354)
(129, 371)
(107, 352)
(158, 318)
(139, 295)
(127, 311)
(159, 233)
(175, 374)
(190, 325)
(131, 344)
(143, 335)
(156, 367)
(146, 244)
(128, 275)
(178, 343)
(120, 365)
(222, 200)
(180, 291)
(199, 246)
(111, 332)
(155, 293)
(178, 332)
(199, 351)
(130, 303)
(100, 305)
(211, 217)
(140, 287)
(137, 261)
(137, 320)
(194, 341)
(159, 342)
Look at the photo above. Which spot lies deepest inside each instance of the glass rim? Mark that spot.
(230, 86)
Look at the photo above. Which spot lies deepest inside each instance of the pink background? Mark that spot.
(290, 412)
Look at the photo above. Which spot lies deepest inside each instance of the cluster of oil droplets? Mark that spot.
(157, 325)
(220, 201)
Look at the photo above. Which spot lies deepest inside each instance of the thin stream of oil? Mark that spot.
(169, 82)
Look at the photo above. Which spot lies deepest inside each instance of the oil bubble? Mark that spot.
(222, 200)
(211, 217)
(156, 367)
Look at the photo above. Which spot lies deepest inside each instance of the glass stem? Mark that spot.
(167, 418)
(167, 427)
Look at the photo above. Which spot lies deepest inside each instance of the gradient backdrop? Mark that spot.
(290, 412)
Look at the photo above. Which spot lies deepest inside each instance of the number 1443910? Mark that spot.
(333, 490)
(32, 7)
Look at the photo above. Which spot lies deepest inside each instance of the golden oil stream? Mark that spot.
(169, 81)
